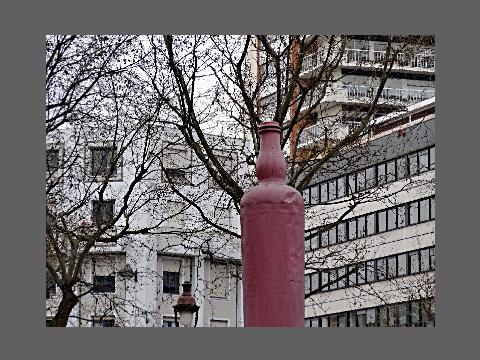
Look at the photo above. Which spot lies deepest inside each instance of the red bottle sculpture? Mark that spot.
(273, 252)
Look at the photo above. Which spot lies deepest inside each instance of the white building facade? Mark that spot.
(135, 280)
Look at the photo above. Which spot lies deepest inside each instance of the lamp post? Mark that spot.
(186, 307)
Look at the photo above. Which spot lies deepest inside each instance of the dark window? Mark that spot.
(424, 260)
(414, 262)
(361, 274)
(361, 227)
(382, 220)
(352, 319)
(314, 195)
(171, 323)
(307, 242)
(424, 210)
(370, 177)
(324, 238)
(314, 241)
(381, 174)
(352, 184)
(332, 236)
(342, 320)
(432, 158)
(171, 282)
(361, 316)
(53, 160)
(325, 281)
(414, 313)
(333, 320)
(432, 208)
(103, 323)
(370, 224)
(352, 277)
(413, 213)
(104, 284)
(402, 314)
(352, 229)
(381, 269)
(412, 164)
(103, 212)
(361, 180)
(392, 315)
(342, 279)
(392, 267)
(306, 195)
(51, 287)
(423, 161)
(323, 192)
(383, 316)
(333, 279)
(341, 187)
(315, 282)
(49, 321)
(391, 171)
(427, 312)
(324, 321)
(401, 168)
(401, 216)
(402, 264)
(371, 271)
(392, 218)
(371, 317)
(341, 233)
(332, 189)
(181, 177)
(103, 159)
(307, 284)
(432, 259)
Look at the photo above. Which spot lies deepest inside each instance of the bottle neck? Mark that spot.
(270, 165)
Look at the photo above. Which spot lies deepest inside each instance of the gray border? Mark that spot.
(23, 50)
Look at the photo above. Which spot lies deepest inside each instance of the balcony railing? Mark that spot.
(389, 94)
(311, 134)
(364, 93)
(424, 60)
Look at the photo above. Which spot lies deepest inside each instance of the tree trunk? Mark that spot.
(69, 300)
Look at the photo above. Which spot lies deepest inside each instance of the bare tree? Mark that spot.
(130, 89)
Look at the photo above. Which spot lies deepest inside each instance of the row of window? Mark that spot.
(388, 267)
(103, 162)
(106, 284)
(417, 313)
(96, 321)
(376, 175)
(380, 221)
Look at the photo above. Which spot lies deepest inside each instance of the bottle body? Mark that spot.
(273, 255)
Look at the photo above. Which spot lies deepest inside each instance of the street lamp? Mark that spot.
(186, 306)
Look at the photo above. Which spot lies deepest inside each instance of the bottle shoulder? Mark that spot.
(272, 193)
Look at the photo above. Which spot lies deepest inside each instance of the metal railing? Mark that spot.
(424, 60)
(311, 134)
(389, 94)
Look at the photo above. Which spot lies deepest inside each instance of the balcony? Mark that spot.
(356, 57)
(410, 96)
(315, 133)
(362, 94)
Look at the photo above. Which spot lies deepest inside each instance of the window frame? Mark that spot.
(98, 145)
(104, 288)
